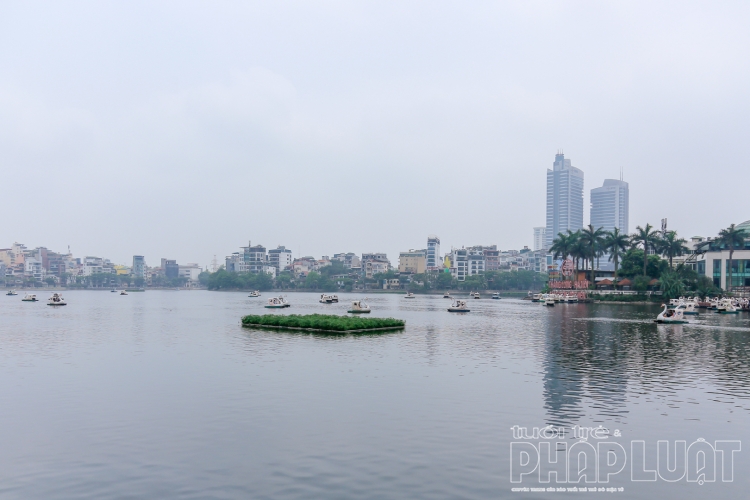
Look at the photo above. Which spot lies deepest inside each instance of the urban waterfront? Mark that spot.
(163, 394)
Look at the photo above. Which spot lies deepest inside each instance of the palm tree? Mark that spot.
(562, 246)
(671, 246)
(644, 236)
(592, 240)
(616, 244)
(732, 238)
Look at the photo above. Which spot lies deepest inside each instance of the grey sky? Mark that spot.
(183, 129)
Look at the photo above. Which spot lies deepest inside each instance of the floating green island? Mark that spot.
(322, 322)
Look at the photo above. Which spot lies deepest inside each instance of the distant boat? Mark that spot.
(277, 303)
(496, 296)
(113, 291)
(255, 293)
(549, 301)
(12, 292)
(123, 292)
(447, 295)
(29, 297)
(56, 300)
(326, 299)
(410, 295)
(459, 306)
(359, 307)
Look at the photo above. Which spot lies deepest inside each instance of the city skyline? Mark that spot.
(139, 149)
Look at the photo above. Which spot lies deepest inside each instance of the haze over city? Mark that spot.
(183, 130)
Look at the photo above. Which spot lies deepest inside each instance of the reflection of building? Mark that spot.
(713, 261)
(433, 253)
(564, 198)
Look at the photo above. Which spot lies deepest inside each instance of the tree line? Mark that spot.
(631, 259)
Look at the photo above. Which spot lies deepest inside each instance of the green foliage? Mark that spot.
(640, 283)
(224, 280)
(704, 286)
(326, 322)
(671, 285)
(632, 264)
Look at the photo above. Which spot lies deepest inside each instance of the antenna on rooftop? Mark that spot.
(214, 265)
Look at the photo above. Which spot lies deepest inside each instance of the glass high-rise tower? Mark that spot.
(610, 205)
(564, 198)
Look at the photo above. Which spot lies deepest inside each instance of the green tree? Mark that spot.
(632, 264)
(592, 240)
(646, 237)
(616, 244)
(732, 238)
(671, 246)
(671, 285)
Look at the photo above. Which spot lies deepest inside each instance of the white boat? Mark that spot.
(549, 301)
(113, 291)
(12, 292)
(359, 307)
(29, 297)
(459, 306)
(325, 299)
(410, 295)
(255, 293)
(726, 306)
(56, 300)
(537, 297)
(476, 295)
(277, 303)
(676, 315)
(123, 292)
(690, 308)
(447, 295)
(335, 298)
(496, 296)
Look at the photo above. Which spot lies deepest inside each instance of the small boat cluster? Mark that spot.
(550, 299)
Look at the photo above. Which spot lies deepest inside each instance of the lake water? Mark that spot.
(163, 395)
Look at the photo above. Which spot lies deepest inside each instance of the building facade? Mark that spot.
(713, 261)
(434, 263)
(459, 263)
(564, 199)
(139, 266)
(610, 206)
(280, 258)
(540, 238)
(412, 262)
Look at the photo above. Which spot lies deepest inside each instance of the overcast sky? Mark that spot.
(185, 129)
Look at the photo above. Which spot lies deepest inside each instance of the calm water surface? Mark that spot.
(163, 395)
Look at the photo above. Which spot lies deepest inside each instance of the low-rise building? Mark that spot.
(712, 260)
(412, 262)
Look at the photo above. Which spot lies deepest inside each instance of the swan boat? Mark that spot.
(359, 307)
(496, 296)
(123, 292)
(726, 306)
(447, 295)
(549, 301)
(29, 297)
(459, 306)
(277, 303)
(668, 315)
(326, 299)
(254, 293)
(56, 300)
(12, 292)
(410, 295)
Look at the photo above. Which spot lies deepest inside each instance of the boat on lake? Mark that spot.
(496, 296)
(254, 293)
(277, 303)
(123, 292)
(459, 306)
(549, 300)
(326, 299)
(447, 295)
(56, 300)
(359, 307)
(726, 306)
(410, 295)
(474, 295)
(29, 297)
(675, 316)
(12, 292)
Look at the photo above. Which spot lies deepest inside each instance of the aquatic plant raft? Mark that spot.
(322, 322)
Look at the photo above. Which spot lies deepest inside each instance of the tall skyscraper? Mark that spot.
(540, 240)
(610, 206)
(564, 198)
